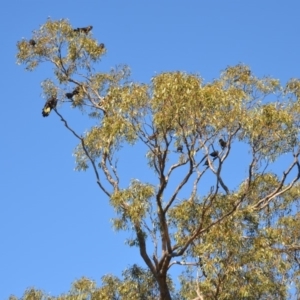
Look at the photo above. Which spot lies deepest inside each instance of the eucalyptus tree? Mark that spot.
(238, 242)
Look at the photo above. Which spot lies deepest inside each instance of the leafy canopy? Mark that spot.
(232, 243)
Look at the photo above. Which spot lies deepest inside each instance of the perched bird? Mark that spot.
(86, 30)
(214, 153)
(69, 95)
(50, 104)
(101, 46)
(75, 92)
(223, 144)
(180, 148)
(32, 43)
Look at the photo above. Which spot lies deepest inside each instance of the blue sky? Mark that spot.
(54, 222)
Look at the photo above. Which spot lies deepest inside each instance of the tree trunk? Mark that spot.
(163, 287)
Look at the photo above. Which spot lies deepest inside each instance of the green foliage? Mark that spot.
(232, 243)
(136, 284)
(135, 200)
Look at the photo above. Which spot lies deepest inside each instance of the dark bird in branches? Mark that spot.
(32, 43)
(85, 30)
(69, 95)
(49, 105)
(213, 154)
(180, 148)
(101, 46)
(223, 144)
(75, 92)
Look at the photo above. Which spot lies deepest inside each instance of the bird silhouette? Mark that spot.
(75, 92)
(180, 148)
(69, 95)
(32, 43)
(213, 154)
(85, 30)
(49, 105)
(223, 144)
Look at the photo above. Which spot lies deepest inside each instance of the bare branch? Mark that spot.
(190, 159)
(108, 176)
(175, 166)
(179, 187)
(85, 151)
(114, 169)
(182, 263)
(279, 191)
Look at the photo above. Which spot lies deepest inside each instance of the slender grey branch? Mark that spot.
(182, 263)
(279, 191)
(109, 177)
(175, 166)
(179, 187)
(114, 169)
(85, 151)
(188, 174)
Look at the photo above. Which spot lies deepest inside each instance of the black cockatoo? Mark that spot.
(32, 43)
(213, 154)
(75, 92)
(223, 144)
(86, 30)
(69, 95)
(49, 105)
(180, 148)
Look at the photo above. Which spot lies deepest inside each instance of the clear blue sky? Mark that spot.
(54, 222)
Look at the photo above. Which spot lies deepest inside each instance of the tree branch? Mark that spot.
(85, 151)
(279, 191)
(143, 250)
